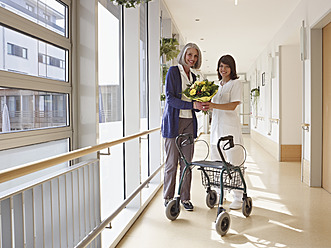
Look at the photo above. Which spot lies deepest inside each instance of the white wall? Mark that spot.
(315, 14)
(290, 95)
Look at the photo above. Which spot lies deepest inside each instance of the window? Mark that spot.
(17, 51)
(29, 7)
(53, 60)
(35, 89)
(49, 60)
(110, 104)
(46, 8)
(30, 110)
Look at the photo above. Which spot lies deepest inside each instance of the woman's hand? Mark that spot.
(201, 105)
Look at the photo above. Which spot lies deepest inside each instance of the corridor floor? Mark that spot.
(286, 212)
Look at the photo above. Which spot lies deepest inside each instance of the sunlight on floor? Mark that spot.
(284, 225)
(256, 181)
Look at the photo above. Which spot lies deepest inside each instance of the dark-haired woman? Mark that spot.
(225, 117)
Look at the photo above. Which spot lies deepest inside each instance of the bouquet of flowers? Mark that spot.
(201, 91)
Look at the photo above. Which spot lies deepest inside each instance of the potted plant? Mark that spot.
(129, 3)
(169, 48)
(255, 94)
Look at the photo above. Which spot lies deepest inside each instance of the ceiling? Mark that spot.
(243, 30)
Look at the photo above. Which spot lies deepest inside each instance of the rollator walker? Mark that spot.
(214, 174)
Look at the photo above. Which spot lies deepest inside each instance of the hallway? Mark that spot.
(286, 212)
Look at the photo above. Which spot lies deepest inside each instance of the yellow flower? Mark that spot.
(203, 82)
(197, 82)
(192, 92)
(204, 88)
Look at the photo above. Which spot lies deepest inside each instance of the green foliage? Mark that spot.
(129, 3)
(162, 97)
(169, 47)
(255, 92)
(165, 69)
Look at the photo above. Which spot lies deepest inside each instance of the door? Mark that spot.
(326, 177)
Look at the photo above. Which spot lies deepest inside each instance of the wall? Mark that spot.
(315, 15)
(290, 103)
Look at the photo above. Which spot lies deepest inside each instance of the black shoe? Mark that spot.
(166, 201)
(187, 205)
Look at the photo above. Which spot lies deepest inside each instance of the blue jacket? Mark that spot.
(173, 104)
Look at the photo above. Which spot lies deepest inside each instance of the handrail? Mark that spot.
(275, 120)
(97, 230)
(28, 168)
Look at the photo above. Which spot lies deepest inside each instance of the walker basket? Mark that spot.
(214, 178)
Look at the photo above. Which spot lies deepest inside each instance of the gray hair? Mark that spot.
(181, 55)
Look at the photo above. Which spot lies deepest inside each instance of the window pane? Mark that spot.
(50, 14)
(28, 110)
(29, 154)
(144, 167)
(31, 56)
(110, 107)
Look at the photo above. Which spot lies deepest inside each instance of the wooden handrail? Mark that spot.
(28, 168)
(274, 120)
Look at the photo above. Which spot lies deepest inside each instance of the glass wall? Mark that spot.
(110, 106)
(144, 163)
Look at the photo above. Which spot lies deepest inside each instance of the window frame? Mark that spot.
(14, 80)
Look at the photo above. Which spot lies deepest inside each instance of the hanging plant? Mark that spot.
(255, 92)
(129, 3)
(169, 48)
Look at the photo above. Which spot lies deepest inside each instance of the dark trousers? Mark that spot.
(171, 163)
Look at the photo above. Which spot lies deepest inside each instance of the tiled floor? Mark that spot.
(286, 212)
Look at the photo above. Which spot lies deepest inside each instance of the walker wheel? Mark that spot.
(172, 211)
(247, 206)
(211, 198)
(223, 223)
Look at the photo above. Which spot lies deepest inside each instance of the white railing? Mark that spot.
(57, 211)
(62, 209)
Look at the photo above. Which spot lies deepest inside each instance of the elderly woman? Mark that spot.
(178, 118)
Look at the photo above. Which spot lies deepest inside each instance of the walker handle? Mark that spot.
(187, 140)
(230, 144)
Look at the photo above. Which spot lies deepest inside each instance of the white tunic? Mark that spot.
(227, 122)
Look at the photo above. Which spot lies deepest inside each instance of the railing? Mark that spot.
(61, 210)
(22, 170)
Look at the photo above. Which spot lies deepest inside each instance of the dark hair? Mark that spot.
(228, 60)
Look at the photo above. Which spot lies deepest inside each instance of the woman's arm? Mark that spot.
(224, 106)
